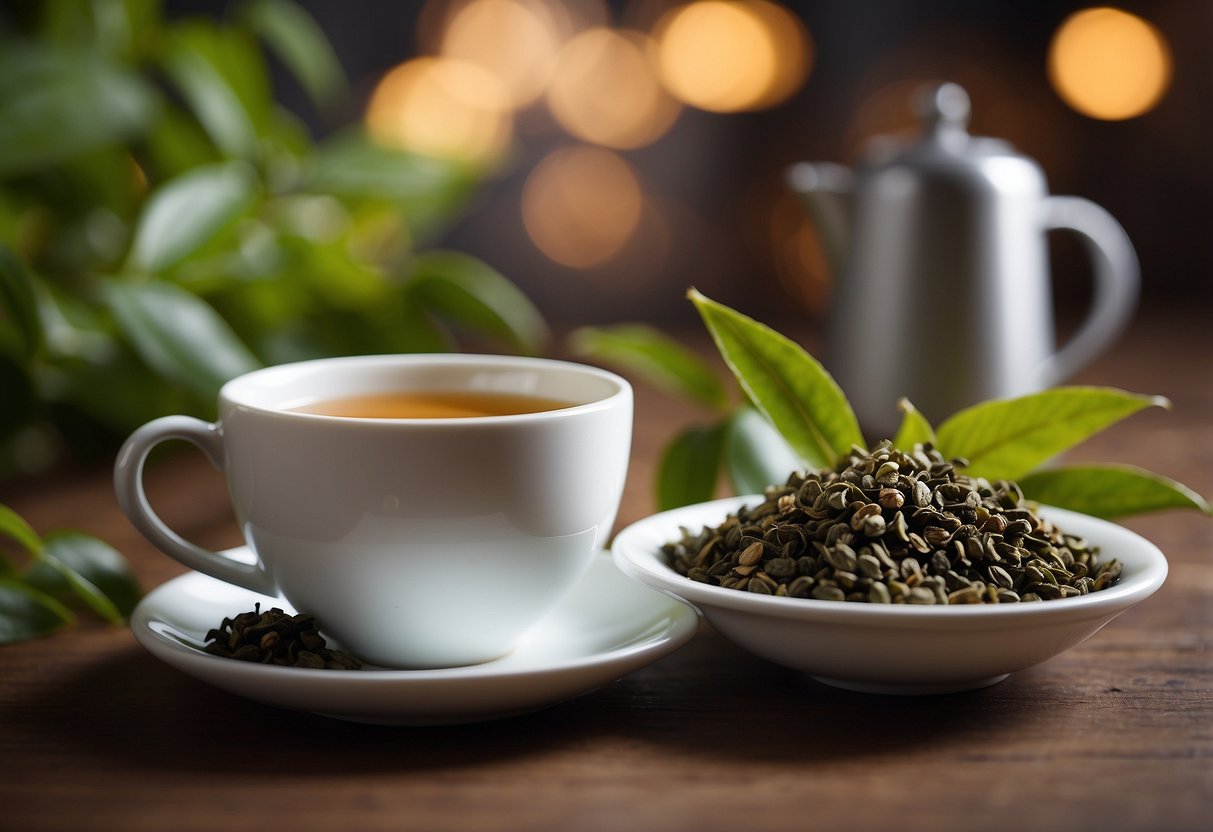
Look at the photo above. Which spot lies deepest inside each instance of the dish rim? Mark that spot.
(1146, 569)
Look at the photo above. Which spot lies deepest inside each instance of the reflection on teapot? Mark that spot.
(941, 270)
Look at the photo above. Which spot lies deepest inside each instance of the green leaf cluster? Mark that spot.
(166, 225)
(63, 571)
(809, 422)
(740, 442)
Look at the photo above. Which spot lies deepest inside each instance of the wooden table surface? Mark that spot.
(1115, 734)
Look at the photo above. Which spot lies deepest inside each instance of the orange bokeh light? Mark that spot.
(1109, 64)
(606, 92)
(732, 55)
(581, 205)
(441, 107)
(514, 40)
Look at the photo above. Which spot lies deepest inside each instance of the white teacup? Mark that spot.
(415, 542)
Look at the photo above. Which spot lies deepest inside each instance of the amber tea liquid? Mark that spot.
(424, 404)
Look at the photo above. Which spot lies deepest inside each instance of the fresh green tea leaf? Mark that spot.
(425, 189)
(351, 165)
(56, 105)
(110, 383)
(111, 28)
(785, 383)
(90, 568)
(17, 406)
(234, 51)
(286, 133)
(13, 526)
(417, 331)
(213, 102)
(468, 292)
(914, 430)
(689, 467)
(337, 277)
(68, 25)
(116, 183)
(53, 578)
(1007, 438)
(178, 335)
(756, 456)
(653, 356)
(26, 613)
(301, 45)
(187, 212)
(122, 26)
(1109, 490)
(223, 79)
(176, 143)
(19, 305)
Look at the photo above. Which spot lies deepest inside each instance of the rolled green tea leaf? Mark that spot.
(893, 527)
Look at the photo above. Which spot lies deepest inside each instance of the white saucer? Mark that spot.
(607, 627)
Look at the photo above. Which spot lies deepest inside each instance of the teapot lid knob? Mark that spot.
(944, 108)
(944, 111)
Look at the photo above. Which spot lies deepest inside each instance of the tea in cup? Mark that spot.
(427, 510)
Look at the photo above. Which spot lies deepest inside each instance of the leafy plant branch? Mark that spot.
(808, 418)
(166, 225)
(64, 571)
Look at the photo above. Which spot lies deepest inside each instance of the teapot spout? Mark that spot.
(825, 188)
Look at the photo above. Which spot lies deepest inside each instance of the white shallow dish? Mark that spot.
(898, 649)
(607, 627)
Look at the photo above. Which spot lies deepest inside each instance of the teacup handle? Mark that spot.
(128, 483)
(1117, 279)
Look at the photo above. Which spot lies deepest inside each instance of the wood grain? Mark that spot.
(1116, 734)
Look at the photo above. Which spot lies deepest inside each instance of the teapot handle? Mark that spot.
(1117, 279)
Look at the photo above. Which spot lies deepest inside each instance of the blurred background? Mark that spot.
(622, 181)
(191, 189)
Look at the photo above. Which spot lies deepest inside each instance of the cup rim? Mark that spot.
(230, 392)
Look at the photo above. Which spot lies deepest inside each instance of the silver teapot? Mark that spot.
(941, 269)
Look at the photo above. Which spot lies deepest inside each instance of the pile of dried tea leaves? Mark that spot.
(896, 527)
(274, 637)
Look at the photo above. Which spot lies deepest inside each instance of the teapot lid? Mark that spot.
(944, 112)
